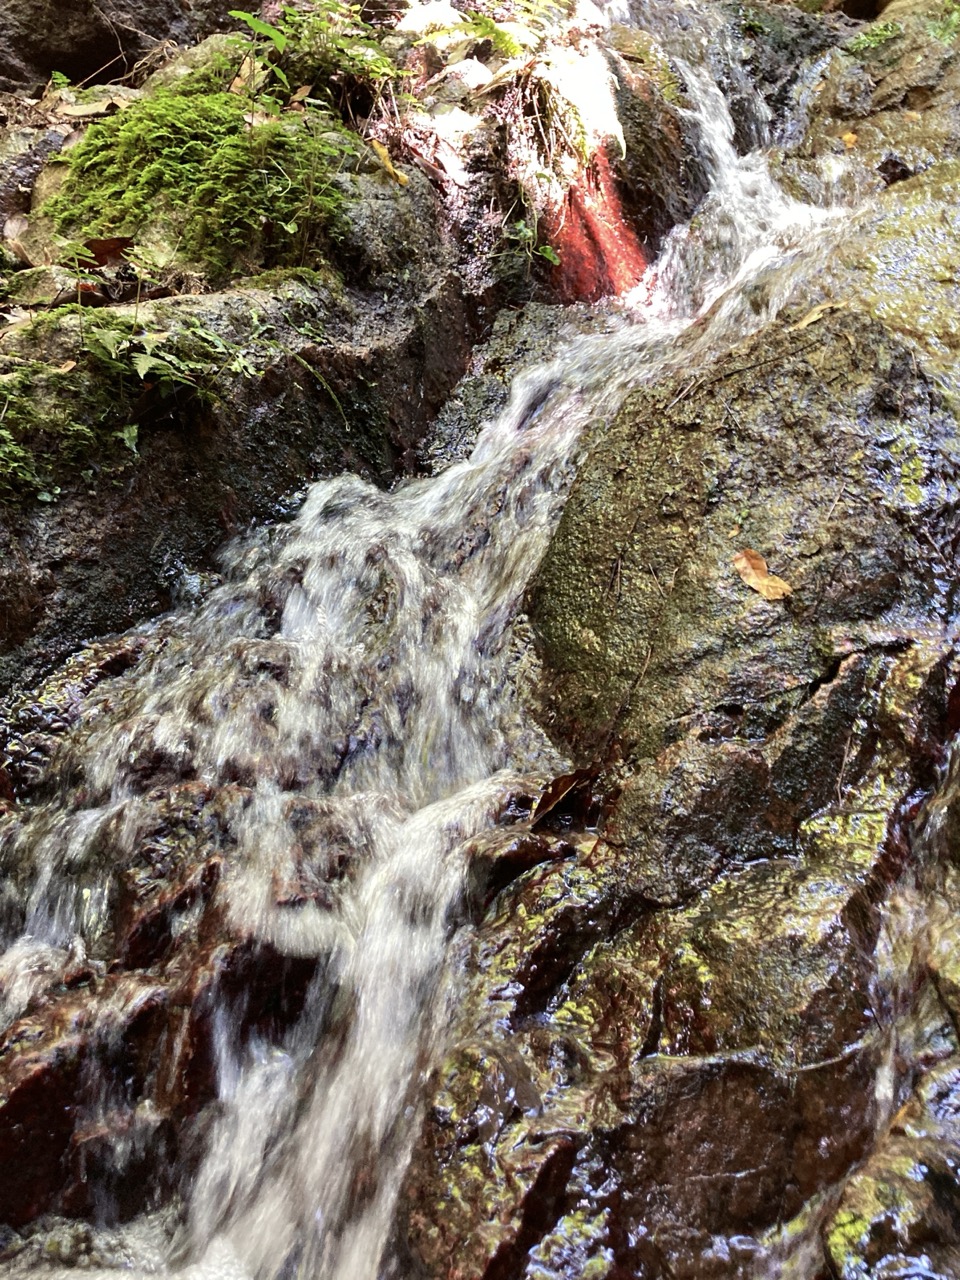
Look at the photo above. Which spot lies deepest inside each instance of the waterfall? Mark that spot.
(355, 674)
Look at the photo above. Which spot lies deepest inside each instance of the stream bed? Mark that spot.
(313, 969)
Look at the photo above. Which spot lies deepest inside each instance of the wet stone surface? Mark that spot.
(706, 1013)
(684, 1033)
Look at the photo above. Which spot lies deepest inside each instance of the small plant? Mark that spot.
(81, 417)
(874, 37)
(532, 23)
(521, 236)
(946, 27)
(330, 48)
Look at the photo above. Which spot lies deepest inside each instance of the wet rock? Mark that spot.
(899, 1213)
(879, 108)
(290, 408)
(779, 42)
(696, 1009)
(659, 168)
(44, 1089)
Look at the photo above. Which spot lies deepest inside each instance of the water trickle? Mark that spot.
(347, 698)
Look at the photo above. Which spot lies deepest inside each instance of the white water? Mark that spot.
(380, 689)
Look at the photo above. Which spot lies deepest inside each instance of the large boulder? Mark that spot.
(678, 1042)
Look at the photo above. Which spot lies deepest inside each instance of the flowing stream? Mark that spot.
(360, 661)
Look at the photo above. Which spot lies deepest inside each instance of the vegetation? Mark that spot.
(946, 27)
(82, 416)
(231, 190)
(239, 165)
(874, 37)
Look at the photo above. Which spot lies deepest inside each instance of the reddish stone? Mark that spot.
(600, 253)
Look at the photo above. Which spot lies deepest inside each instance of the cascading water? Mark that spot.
(358, 663)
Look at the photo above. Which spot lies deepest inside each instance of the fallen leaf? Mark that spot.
(298, 96)
(849, 140)
(818, 311)
(383, 155)
(107, 252)
(752, 568)
(579, 799)
(251, 77)
(67, 366)
(15, 227)
(91, 110)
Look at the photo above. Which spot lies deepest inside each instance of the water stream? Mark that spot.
(359, 663)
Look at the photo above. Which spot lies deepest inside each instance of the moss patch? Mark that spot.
(52, 421)
(234, 195)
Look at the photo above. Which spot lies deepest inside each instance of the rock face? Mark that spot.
(678, 1038)
(325, 383)
(720, 1035)
(84, 40)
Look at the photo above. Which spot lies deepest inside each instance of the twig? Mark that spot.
(687, 390)
(843, 489)
(843, 764)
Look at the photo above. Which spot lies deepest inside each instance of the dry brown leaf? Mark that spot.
(251, 77)
(110, 251)
(383, 155)
(752, 568)
(818, 311)
(92, 110)
(15, 227)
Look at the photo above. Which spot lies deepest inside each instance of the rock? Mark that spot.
(879, 108)
(677, 1041)
(39, 37)
(659, 167)
(23, 153)
(43, 1091)
(899, 1212)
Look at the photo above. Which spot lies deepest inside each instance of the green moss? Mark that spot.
(63, 420)
(53, 420)
(233, 194)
